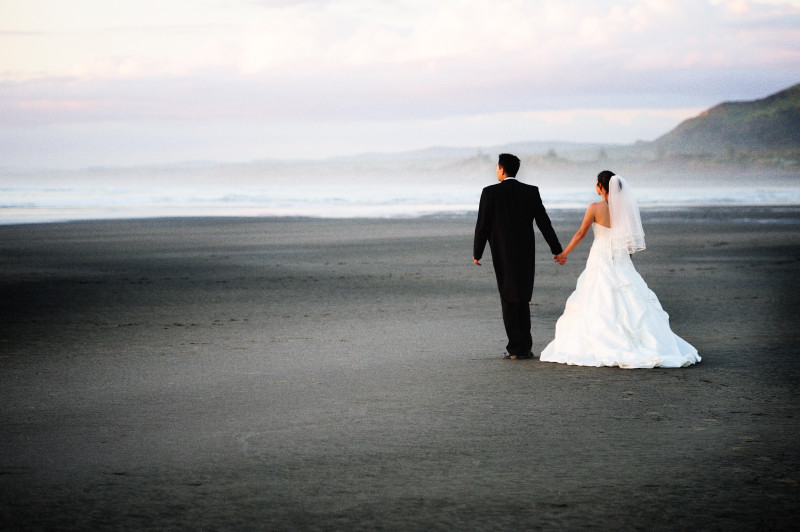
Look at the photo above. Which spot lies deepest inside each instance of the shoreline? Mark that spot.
(788, 212)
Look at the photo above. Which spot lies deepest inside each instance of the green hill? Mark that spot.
(768, 127)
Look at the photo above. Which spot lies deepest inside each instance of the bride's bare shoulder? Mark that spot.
(598, 212)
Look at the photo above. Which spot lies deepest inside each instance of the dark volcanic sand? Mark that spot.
(344, 374)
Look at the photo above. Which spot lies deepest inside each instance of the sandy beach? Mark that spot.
(301, 374)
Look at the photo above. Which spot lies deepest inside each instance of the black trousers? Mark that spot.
(517, 320)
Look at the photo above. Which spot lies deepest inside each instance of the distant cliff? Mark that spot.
(761, 133)
(769, 127)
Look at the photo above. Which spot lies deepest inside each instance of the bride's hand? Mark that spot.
(560, 258)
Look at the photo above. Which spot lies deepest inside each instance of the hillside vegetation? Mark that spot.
(766, 130)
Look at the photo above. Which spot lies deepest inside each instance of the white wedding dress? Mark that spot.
(613, 319)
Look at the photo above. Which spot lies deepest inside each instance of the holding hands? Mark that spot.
(561, 258)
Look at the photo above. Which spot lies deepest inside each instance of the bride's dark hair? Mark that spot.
(604, 177)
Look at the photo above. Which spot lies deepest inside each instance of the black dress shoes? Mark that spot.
(509, 356)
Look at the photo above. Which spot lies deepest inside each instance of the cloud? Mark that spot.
(354, 64)
(179, 38)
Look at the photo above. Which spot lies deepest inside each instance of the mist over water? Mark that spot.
(369, 187)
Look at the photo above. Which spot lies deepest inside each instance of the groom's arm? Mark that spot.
(482, 228)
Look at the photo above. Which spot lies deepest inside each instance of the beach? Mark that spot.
(313, 374)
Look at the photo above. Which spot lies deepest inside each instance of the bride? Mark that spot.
(612, 318)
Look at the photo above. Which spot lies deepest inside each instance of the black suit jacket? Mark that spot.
(505, 219)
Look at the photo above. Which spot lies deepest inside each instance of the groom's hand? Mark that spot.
(476, 261)
(560, 258)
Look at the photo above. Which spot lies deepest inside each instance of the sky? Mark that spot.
(118, 82)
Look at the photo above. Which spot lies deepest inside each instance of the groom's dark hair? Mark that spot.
(510, 164)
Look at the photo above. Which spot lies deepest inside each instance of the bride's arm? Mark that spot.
(588, 219)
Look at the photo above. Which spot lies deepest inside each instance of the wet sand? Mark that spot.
(286, 374)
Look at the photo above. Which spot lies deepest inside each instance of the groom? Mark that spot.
(505, 219)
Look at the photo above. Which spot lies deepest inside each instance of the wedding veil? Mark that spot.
(626, 223)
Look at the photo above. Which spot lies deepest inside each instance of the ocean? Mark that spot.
(333, 191)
